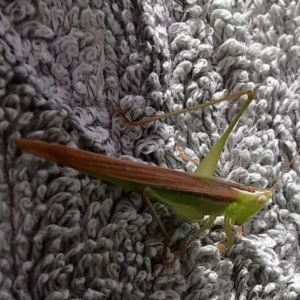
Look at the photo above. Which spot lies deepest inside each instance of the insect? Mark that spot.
(190, 196)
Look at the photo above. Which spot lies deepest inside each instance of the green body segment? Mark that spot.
(191, 208)
(187, 206)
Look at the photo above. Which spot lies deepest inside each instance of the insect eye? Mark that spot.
(262, 199)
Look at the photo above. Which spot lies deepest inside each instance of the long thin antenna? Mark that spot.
(285, 170)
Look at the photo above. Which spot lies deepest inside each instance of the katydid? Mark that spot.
(190, 196)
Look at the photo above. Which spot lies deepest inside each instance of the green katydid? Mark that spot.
(190, 196)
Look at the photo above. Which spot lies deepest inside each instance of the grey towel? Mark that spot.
(66, 68)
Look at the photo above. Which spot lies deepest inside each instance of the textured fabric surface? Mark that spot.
(66, 66)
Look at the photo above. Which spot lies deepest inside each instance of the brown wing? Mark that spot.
(101, 166)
